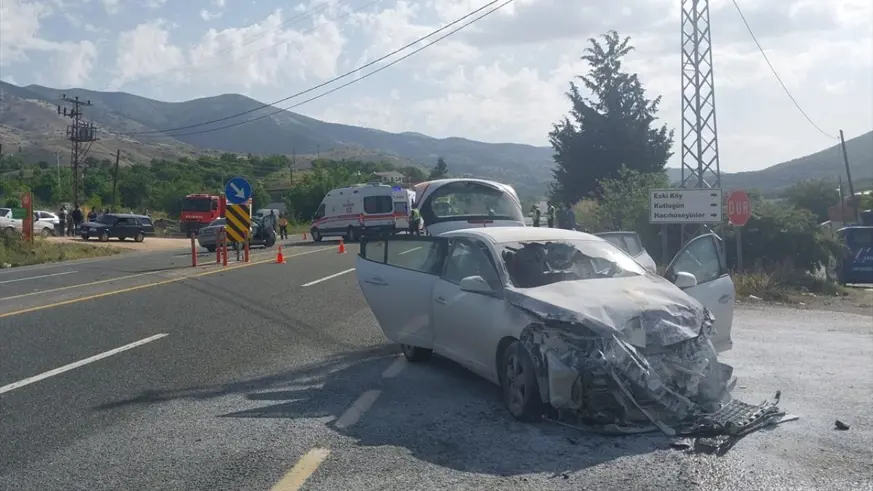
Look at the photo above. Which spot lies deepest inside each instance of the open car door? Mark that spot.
(397, 276)
(630, 243)
(712, 286)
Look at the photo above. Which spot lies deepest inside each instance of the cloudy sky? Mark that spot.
(503, 79)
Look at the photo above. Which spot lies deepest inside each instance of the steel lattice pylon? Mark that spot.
(700, 164)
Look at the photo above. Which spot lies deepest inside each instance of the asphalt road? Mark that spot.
(276, 376)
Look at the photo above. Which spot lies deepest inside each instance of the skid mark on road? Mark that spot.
(330, 277)
(80, 363)
(305, 467)
(151, 285)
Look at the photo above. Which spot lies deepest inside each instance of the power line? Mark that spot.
(775, 73)
(345, 75)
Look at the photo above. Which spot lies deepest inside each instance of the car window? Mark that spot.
(217, 222)
(320, 212)
(107, 219)
(145, 221)
(537, 263)
(700, 258)
(469, 258)
(422, 255)
(629, 243)
(401, 207)
(378, 205)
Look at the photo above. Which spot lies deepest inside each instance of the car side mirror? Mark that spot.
(475, 284)
(685, 280)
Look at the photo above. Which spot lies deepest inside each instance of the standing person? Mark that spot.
(415, 221)
(283, 226)
(92, 216)
(76, 221)
(62, 221)
(536, 215)
(550, 214)
(571, 217)
(273, 219)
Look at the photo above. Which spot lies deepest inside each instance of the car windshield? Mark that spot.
(107, 219)
(538, 263)
(217, 222)
(472, 200)
(196, 204)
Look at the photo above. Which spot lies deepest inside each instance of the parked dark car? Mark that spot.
(117, 225)
(148, 227)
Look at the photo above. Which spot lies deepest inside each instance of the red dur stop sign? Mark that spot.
(739, 208)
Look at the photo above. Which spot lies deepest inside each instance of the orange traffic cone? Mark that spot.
(342, 247)
(280, 258)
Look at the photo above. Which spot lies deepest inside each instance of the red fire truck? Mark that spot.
(198, 211)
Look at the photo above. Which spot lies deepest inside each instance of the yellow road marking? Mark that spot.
(305, 467)
(149, 285)
(108, 280)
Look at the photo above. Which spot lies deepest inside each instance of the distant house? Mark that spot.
(389, 177)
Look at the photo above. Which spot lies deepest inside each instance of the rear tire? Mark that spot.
(416, 354)
(518, 382)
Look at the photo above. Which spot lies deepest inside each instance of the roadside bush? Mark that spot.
(16, 252)
(781, 238)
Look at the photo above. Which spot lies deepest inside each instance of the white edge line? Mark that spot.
(80, 363)
(361, 405)
(328, 277)
(37, 277)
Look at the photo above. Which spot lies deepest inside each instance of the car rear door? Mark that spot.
(704, 258)
(397, 276)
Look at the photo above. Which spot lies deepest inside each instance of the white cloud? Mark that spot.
(207, 15)
(111, 6)
(145, 51)
(155, 4)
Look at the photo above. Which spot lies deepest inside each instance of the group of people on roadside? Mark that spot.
(563, 216)
(70, 221)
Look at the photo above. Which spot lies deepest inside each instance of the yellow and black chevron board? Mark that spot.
(238, 222)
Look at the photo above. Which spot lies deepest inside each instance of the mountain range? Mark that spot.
(30, 123)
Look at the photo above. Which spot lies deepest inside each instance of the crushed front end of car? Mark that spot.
(654, 370)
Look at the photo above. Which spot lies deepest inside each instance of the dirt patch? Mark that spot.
(856, 300)
(149, 244)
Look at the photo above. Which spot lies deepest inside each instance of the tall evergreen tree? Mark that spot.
(615, 126)
(441, 171)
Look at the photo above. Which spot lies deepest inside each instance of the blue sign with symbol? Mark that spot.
(237, 191)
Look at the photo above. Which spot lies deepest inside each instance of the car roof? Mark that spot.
(502, 235)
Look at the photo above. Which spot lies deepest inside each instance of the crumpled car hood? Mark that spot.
(643, 310)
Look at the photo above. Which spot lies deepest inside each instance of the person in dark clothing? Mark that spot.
(62, 221)
(77, 220)
(92, 216)
(550, 214)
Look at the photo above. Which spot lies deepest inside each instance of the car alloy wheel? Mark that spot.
(519, 384)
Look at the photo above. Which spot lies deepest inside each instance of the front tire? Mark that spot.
(139, 237)
(316, 235)
(518, 382)
(104, 237)
(416, 354)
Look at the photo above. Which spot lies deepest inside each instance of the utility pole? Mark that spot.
(78, 133)
(291, 167)
(115, 178)
(852, 202)
(700, 163)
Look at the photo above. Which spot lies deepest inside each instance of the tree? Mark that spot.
(814, 195)
(613, 127)
(441, 170)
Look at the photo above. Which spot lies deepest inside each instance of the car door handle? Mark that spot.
(440, 300)
(724, 298)
(377, 281)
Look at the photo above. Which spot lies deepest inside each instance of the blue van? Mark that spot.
(856, 265)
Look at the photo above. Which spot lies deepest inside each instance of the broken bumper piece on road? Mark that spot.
(608, 385)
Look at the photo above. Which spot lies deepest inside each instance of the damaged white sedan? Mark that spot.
(561, 318)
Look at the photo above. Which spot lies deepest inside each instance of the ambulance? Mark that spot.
(372, 208)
